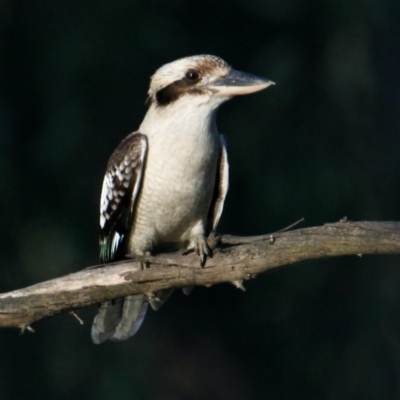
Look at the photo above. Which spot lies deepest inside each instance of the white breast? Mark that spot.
(178, 181)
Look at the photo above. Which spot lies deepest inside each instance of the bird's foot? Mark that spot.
(202, 249)
(152, 297)
(214, 240)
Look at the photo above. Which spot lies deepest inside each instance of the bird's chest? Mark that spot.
(182, 166)
(177, 185)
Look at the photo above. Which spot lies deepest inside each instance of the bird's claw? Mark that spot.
(152, 296)
(202, 250)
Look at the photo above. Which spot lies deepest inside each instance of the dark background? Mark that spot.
(321, 144)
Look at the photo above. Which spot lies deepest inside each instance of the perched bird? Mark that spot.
(165, 185)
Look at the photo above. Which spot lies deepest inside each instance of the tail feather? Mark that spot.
(107, 318)
(133, 314)
(119, 319)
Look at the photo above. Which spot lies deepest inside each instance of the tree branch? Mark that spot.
(237, 259)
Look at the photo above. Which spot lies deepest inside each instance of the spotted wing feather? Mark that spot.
(121, 186)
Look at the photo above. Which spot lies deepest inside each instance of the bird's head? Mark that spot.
(206, 78)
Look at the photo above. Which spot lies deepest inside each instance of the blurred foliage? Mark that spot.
(323, 143)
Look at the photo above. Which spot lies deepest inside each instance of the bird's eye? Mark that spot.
(192, 75)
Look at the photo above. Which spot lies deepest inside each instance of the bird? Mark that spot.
(165, 184)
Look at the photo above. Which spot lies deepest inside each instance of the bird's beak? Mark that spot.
(238, 83)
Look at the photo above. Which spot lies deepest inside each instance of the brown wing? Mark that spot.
(121, 186)
(220, 189)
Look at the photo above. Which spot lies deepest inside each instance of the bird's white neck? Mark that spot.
(184, 115)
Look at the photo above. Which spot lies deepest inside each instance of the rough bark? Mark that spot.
(235, 260)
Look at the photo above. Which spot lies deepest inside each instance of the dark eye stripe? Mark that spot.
(176, 89)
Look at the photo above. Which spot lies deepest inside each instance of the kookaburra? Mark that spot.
(165, 184)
